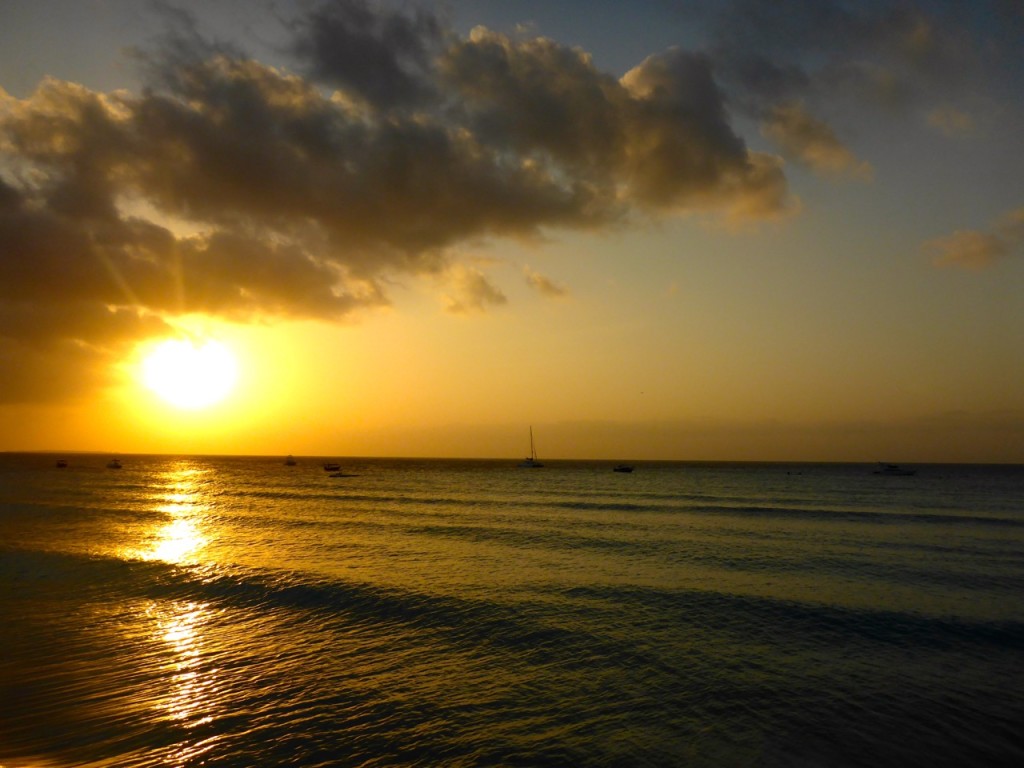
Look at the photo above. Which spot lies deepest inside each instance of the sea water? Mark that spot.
(235, 611)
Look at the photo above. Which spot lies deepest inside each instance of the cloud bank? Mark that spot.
(230, 187)
(236, 189)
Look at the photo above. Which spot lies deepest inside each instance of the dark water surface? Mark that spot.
(240, 612)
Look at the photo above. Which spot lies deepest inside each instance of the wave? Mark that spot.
(773, 616)
(291, 599)
(295, 665)
(670, 505)
(112, 578)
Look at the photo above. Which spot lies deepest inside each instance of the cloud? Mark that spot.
(812, 142)
(544, 285)
(1011, 226)
(967, 249)
(231, 187)
(656, 140)
(952, 122)
(845, 64)
(979, 250)
(471, 291)
(375, 54)
(683, 153)
(873, 54)
(541, 100)
(238, 189)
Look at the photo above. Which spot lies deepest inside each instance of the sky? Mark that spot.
(731, 230)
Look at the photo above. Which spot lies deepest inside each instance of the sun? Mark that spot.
(188, 375)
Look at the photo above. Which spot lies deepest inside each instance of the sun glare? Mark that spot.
(190, 376)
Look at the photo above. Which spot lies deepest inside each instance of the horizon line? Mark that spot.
(337, 457)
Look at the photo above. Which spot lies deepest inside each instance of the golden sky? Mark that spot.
(686, 231)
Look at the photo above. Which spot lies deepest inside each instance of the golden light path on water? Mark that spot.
(178, 624)
(181, 536)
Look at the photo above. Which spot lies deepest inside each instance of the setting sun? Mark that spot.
(190, 376)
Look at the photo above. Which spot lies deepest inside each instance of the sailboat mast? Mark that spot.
(531, 460)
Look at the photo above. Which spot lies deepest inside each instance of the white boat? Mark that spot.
(290, 461)
(531, 460)
(894, 470)
(330, 466)
(114, 464)
(622, 468)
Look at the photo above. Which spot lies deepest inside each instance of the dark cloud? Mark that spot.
(373, 53)
(537, 96)
(844, 61)
(58, 371)
(182, 45)
(682, 152)
(63, 351)
(792, 49)
(657, 139)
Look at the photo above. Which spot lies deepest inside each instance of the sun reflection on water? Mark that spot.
(180, 538)
(190, 696)
(191, 687)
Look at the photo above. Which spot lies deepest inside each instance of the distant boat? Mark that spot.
(290, 461)
(622, 468)
(331, 467)
(531, 460)
(61, 463)
(894, 470)
(114, 464)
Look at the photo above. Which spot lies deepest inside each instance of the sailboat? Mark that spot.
(531, 460)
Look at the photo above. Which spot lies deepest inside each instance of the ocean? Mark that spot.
(235, 611)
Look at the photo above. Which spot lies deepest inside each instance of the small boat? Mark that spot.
(894, 470)
(290, 461)
(331, 466)
(114, 464)
(622, 468)
(531, 460)
(61, 463)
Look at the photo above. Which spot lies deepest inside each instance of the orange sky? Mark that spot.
(698, 240)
